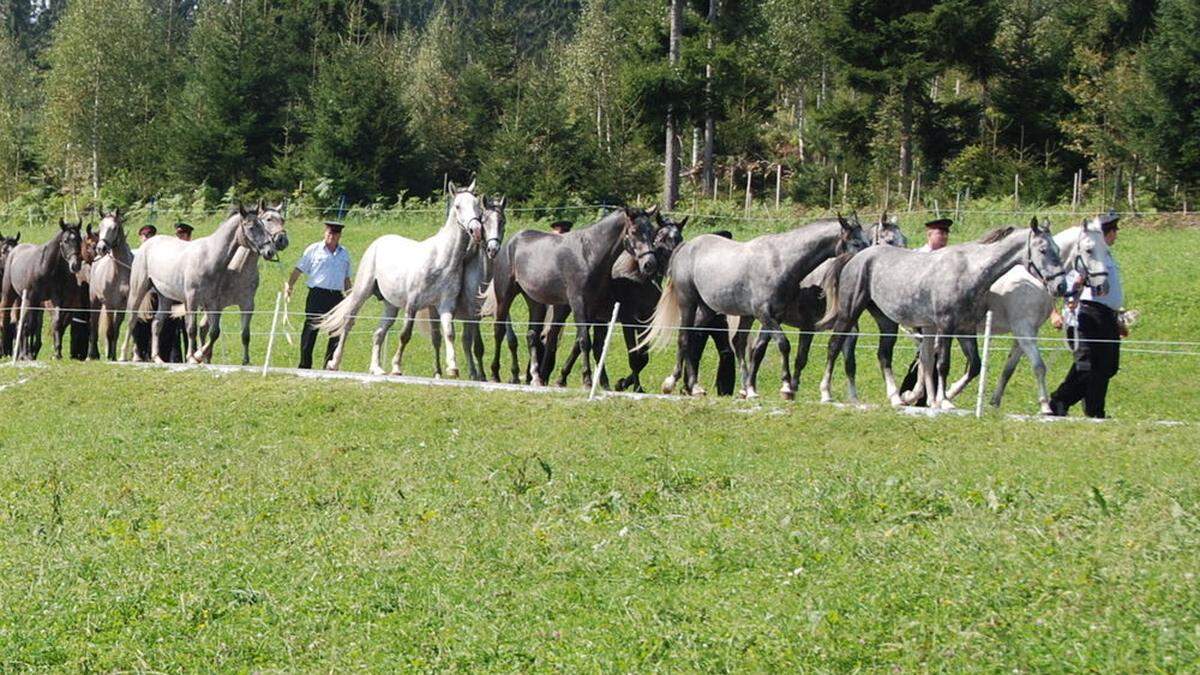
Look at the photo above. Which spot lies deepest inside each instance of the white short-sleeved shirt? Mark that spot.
(324, 269)
(1115, 297)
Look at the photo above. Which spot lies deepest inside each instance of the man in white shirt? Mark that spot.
(1095, 336)
(326, 263)
(937, 236)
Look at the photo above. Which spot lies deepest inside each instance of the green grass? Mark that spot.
(153, 520)
(188, 521)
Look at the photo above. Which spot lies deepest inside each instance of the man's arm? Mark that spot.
(291, 282)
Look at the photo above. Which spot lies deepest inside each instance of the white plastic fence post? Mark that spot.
(20, 324)
(271, 339)
(612, 323)
(987, 343)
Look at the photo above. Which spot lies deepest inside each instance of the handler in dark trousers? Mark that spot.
(1094, 331)
(141, 327)
(937, 236)
(326, 263)
(172, 339)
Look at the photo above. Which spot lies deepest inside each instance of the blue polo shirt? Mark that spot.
(324, 269)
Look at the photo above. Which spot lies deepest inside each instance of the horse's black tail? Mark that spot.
(831, 287)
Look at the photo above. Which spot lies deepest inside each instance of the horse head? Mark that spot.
(1089, 257)
(91, 241)
(70, 244)
(639, 238)
(493, 224)
(667, 239)
(111, 232)
(1043, 260)
(852, 238)
(887, 233)
(7, 244)
(262, 230)
(465, 210)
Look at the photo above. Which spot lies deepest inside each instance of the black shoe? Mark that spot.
(1057, 409)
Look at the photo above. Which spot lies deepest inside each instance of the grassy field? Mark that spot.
(175, 521)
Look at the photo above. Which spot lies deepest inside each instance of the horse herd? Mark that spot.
(819, 276)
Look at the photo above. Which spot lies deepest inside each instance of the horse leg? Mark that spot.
(410, 316)
(638, 360)
(598, 337)
(767, 332)
(477, 345)
(741, 341)
(378, 338)
(583, 337)
(115, 318)
(1029, 344)
(213, 323)
(533, 337)
(1010, 367)
(247, 314)
(889, 332)
(62, 318)
(558, 318)
(970, 349)
(96, 318)
(468, 343)
(927, 358)
(776, 333)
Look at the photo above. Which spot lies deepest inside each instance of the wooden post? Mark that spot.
(749, 175)
(271, 339)
(987, 343)
(612, 323)
(845, 188)
(731, 182)
(957, 196)
(937, 212)
(1016, 192)
(832, 181)
(912, 192)
(778, 182)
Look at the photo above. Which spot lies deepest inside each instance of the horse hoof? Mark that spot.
(751, 394)
(620, 384)
(788, 394)
(374, 370)
(395, 372)
(896, 400)
(948, 405)
(668, 385)
(535, 382)
(699, 391)
(453, 373)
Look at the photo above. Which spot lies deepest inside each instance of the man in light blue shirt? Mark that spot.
(1095, 332)
(326, 263)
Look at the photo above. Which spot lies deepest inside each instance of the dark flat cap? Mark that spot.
(940, 224)
(1107, 222)
(334, 226)
(147, 231)
(563, 225)
(183, 227)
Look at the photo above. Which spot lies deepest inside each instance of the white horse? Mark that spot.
(1020, 304)
(196, 273)
(108, 284)
(411, 276)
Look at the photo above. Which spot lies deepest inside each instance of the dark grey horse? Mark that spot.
(638, 298)
(942, 293)
(758, 280)
(573, 269)
(40, 276)
(7, 244)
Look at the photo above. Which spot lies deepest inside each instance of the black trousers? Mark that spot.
(318, 302)
(141, 338)
(1096, 360)
(172, 340)
(717, 329)
(910, 380)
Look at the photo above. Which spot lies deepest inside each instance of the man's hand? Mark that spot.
(1122, 329)
(1056, 319)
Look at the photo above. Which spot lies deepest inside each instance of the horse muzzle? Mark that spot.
(492, 248)
(647, 265)
(101, 248)
(1060, 288)
(280, 241)
(75, 265)
(269, 252)
(1101, 289)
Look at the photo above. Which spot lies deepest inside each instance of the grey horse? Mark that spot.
(108, 284)
(7, 244)
(476, 275)
(572, 269)
(758, 279)
(39, 276)
(197, 273)
(939, 294)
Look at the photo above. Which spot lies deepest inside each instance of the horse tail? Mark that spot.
(489, 300)
(831, 287)
(666, 317)
(338, 320)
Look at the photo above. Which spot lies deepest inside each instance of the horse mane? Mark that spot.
(998, 234)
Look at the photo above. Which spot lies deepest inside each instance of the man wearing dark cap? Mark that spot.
(172, 338)
(1094, 331)
(937, 236)
(141, 327)
(561, 226)
(326, 263)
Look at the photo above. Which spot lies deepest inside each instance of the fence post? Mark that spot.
(271, 339)
(749, 175)
(612, 323)
(778, 182)
(987, 343)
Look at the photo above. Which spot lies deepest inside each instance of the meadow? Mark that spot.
(174, 521)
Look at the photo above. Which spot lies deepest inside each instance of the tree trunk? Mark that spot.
(906, 133)
(671, 177)
(710, 124)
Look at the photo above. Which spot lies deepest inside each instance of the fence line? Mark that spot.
(790, 330)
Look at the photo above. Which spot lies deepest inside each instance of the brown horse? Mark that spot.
(37, 276)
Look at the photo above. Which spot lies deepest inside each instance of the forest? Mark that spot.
(602, 101)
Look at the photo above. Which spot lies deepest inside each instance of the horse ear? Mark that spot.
(1033, 223)
(683, 222)
(116, 214)
(18, 237)
(653, 210)
(452, 187)
(501, 201)
(62, 224)
(261, 206)
(471, 187)
(89, 229)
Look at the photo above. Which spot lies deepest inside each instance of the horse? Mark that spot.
(758, 279)
(637, 297)
(7, 244)
(411, 276)
(572, 270)
(78, 300)
(196, 274)
(108, 284)
(937, 293)
(1020, 304)
(477, 274)
(37, 276)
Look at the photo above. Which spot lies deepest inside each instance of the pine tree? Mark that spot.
(16, 114)
(1172, 62)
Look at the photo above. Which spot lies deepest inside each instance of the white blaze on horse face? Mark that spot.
(468, 214)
